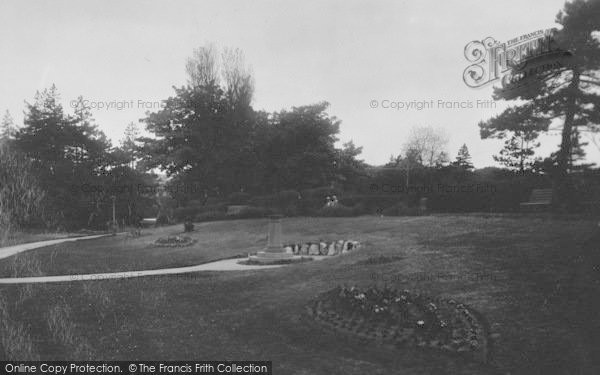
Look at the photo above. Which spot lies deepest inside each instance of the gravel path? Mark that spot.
(5, 252)
(220, 265)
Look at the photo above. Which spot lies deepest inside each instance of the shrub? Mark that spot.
(210, 216)
(280, 200)
(371, 203)
(361, 209)
(162, 219)
(286, 198)
(291, 210)
(253, 212)
(320, 193)
(239, 198)
(181, 213)
(191, 211)
(336, 211)
(188, 226)
(286, 202)
(314, 199)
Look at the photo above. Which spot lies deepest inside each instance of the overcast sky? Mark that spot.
(348, 53)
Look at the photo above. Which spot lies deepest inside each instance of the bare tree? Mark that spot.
(237, 76)
(228, 69)
(427, 145)
(203, 67)
(7, 127)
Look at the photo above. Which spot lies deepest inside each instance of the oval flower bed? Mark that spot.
(402, 318)
(174, 241)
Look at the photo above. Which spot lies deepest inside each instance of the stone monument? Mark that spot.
(274, 252)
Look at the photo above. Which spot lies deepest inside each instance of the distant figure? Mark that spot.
(422, 205)
(205, 197)
(331, 201)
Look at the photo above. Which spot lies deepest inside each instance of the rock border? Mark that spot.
(323, 248)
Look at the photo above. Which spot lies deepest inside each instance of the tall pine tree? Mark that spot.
(463, 158)
(567, 94)
(65, 151)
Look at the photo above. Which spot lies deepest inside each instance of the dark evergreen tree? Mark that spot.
(348, 169)
(523, 127)
(463, 158)
(129, 144)
(66, 152)
(568, 93)
(518, 152)
(297, 148)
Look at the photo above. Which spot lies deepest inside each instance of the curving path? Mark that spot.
(220, 265)
(5, 252)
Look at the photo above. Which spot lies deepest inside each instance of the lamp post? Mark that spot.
(114, 214)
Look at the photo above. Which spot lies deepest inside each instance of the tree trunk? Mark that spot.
(561, 188)
(522, 161)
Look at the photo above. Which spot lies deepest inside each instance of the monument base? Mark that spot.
(267, 257)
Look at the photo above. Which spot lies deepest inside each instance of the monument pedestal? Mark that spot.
(274, 251)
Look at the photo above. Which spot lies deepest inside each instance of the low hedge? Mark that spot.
(400, 209)
(246, 213)
(182, 213)
(336, 211)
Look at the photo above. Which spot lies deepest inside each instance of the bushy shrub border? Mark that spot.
(183, 213)
(336, 211)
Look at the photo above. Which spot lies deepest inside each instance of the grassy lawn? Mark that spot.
(533, 279)
(125, 253)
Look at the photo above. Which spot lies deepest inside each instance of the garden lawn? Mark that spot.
(126, 253)
(534, 279)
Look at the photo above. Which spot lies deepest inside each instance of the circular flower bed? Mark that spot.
(402, 318)
(174, 241)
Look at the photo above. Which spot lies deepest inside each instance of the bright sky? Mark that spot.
(347, 52)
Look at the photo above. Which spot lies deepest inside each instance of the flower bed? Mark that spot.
(402, 318)
(174, 241)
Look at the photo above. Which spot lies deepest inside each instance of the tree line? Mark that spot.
(208, 144)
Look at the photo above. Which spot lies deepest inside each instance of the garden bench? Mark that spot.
(148, 222)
